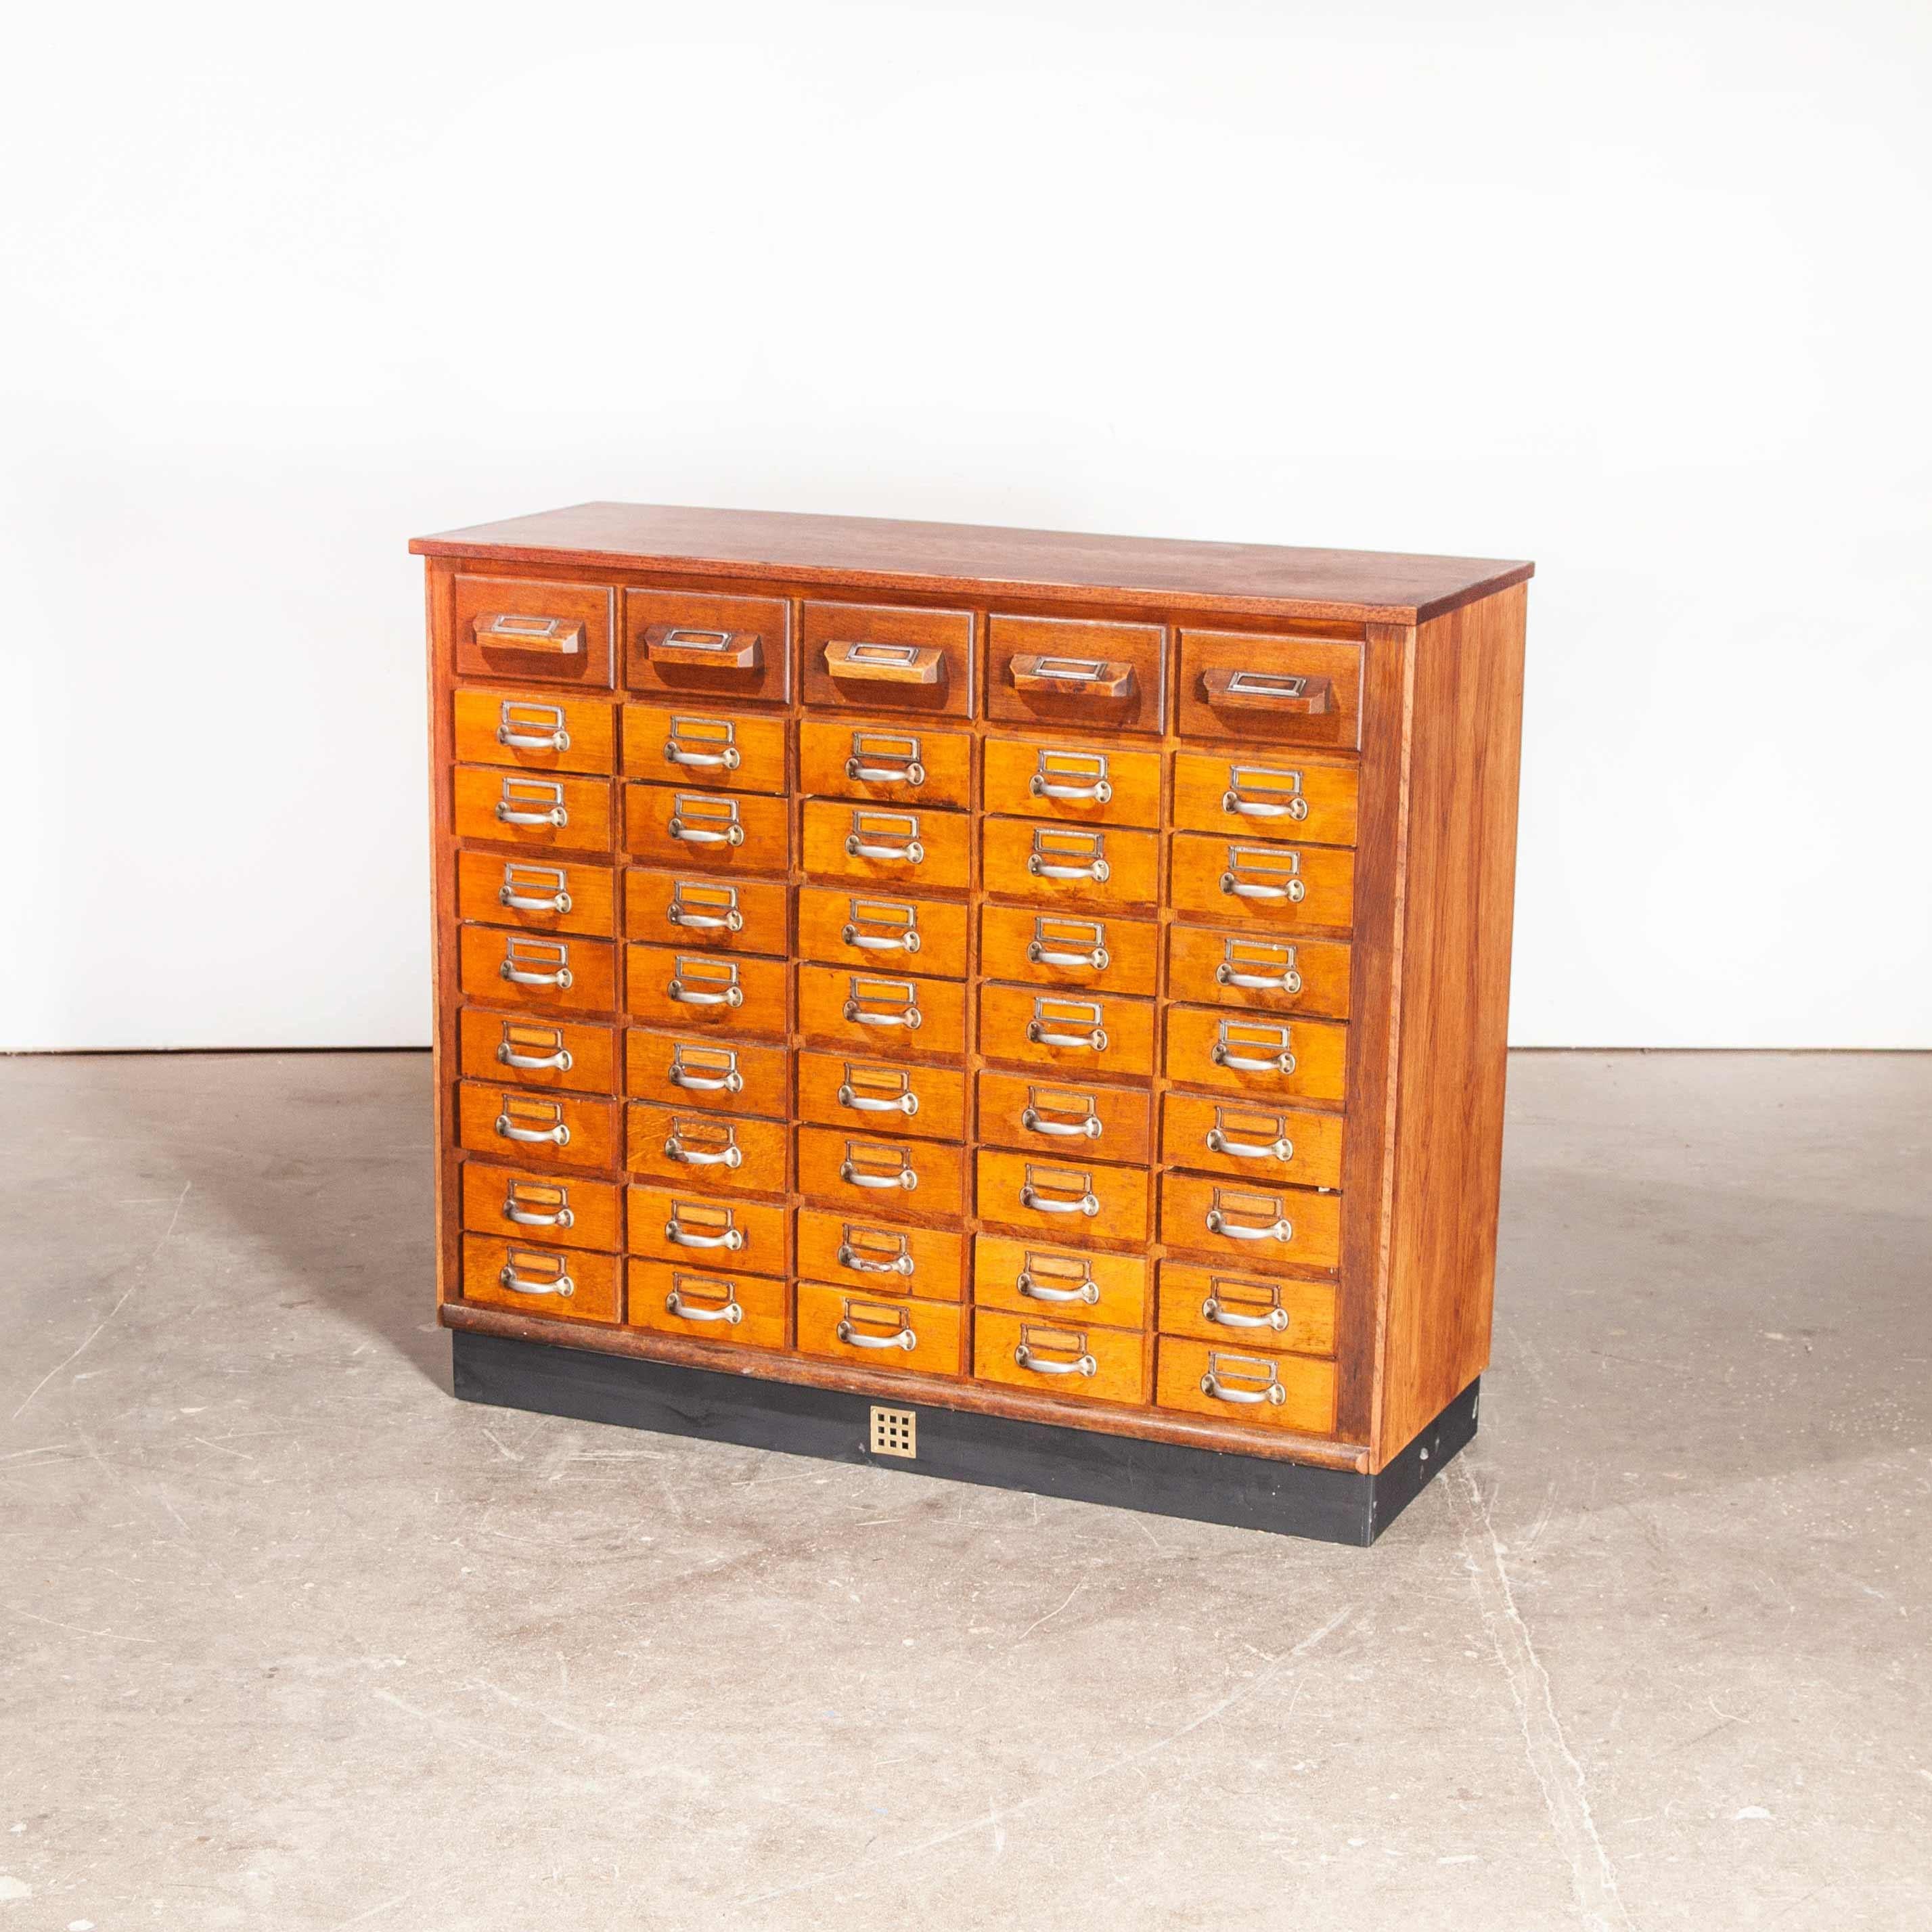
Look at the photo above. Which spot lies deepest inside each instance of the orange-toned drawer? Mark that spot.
(1112, 868)
(1298, 691)
(864, 1326)
(559, 1209)
(1247, 795)
(545, 814)
(558, 1284)
(673, 1298)
(678, 992)
(691, 645)
(1070, 949)
(1263, 1058)
(1061, 670)
(678, 1224)
(536, 895)
(1079, 784)
(528, 969)
(707, 1151)
(714, 749)
(1232, 1384)
(1257, 971)
(719, 915)
(880, 933)
(884, 765)
(537, 1053)
(887, 850)
(538, 733)
(860, 1254)
(543, 1129)
(517, 627)
(1061, 1284)
(1263, 887)
(1050, 1117)
(1058, 1357)
(1248, 1140)
(1064, 1198)
(707, 831)
(878, 657)
(1072, 1034)
(877, 1174)
(731, 1076)
(1236, 1311)
(881, 1017)
(1251, 1224)
(862, 1095)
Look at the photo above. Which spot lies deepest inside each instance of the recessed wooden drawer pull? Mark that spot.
(877, 1089)
(899, 927)
(1066, 1351)
(1072, 677)
(532, 728)
(1236, 1048)
(723, 1151)
(1243, 956)
(1061, 1115)
(868, 1164)
(698, 820)
(505, 627)
(1069, 855)
(715, 1302)
(554, 1280)
(875, 1251)
(533, 889)
(886, 664)
(1079, 778)
(1268, 691)
(520, 1118)
(1249, 1136)
(532, 802)
(535, 1203)
(704, 908)
(1059, 1190)
(1255, 792)
(877, 1314)
(1249, 1217)
(1068, 942)
(690, 1219)
(1048, 1277)
(516, 1048)
(707, 743)
(888, 835)
(705, 1069)
(878, 758)
(707, 650)
(536, 962)
(1268, 1295)
(1053, 1019)
(1263, 1378)
(883, 1003)
(700, 982)
(1262, 872)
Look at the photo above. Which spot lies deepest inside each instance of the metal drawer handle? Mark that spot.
(731, 1157)
(1294, 892)
(1095, 960)
(523, 1216)
(1256, 791)
(727, 1080)
(684, 1311)
(1034, 1122)
(1286, 981)
(561, 1285)
(556, 901)
(912, 852)
(849, 1257)
(679, 1236)
(1211, 1383)
(734, 834)
(908, 1017)
(687, 895)
(1212, 1310)
(1096, 1039)
(555, 739)
(558, 1135)
(906, 1103)
(904, 1338)
(1039, 1365)
(686, 734)
(555, 815)
(1250, 868)
(733, 995)
(561, 979)
(1034, 1289)
(1279, 1149)
(1088, 1204)
(1218, 1223)
(905, 1177)
(1260, 808)
(1099, 793)
(907, 941)
(726, 760)
(1242, 1063)
(1099, 871)
(911, 773)
(1060, 775)
(559, 1061)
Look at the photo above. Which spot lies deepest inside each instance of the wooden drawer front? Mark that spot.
(867, 1095)
(1248, 1140)
(861, 1327)
(677, 1224)
(877, 933)
(1265, 1313)
(1048, 1117)
(729, 1076)
(1083, 784)
(879, 657)
(1111, 868)
(1259, 970)
(538, 1129)
(1289, 691)
(884, 765)
(1231, 1385)
(1263, 885)
(1060, 1284)
(558, 1284)
(537, 1053)
(1071, 948)
(1073, 1034)
(674, 1298)
(547, 733)
(878, 1176)
(719, 915)
(1063, 1198)
(710, 748)
(690, 645)
(677, 991)
(1250, 796)
(545, 814)
(865, 1255)
(1251, 1224)
(707, 1152)
(1050, 671)
(879, 1017)
(558, 1209)
(531, 969)
(1263, 1058)
(707, 832)
(536, 895)
(886, 849)
(1058, 1356)
(520, 628)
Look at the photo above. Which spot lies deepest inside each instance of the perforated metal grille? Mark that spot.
(895, 1432)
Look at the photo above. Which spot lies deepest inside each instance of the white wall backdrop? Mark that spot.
(1640, 291)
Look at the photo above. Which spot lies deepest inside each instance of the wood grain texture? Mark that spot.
(649, 614)
(1257, 1055)
(707, 1152)
(885, 850)
(1202, 712)
(676, 989)
(674, 908)
(871, 1014)
(1258, 885)
(868, 657)
(537, 974)
(693, 829)
(534, 811)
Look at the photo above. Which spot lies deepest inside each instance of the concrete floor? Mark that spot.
(293, 1640)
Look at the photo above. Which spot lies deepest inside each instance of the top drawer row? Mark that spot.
(694, 645)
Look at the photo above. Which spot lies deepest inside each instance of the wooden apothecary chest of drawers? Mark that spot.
(1021, 1006)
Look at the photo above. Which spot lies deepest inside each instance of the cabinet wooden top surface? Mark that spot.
(1267, 580)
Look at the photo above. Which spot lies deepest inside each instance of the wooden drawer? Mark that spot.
(1048, 1117)
(531, 969)
(879, 657)
(1264, 1312)
(1251, 1224)
(1111, 868)
(877, 933)
(707, 1152)
(537, 1130)
(886, 849)
(536, 1053)
(1250, 796)
(1063, 1198)
(1263, 1058)
(707, 832)
(1058, 1357)
(547, 734)
(517, 628)
(558, 1284)
(1258, 971)
(1248, 1140)
(1294, 1392)
(879, 1176)
(863, 1094)
(674, 1298)
(861, 1254)
(677, 992)
(536, 895)
(559, 1209)
(1079, 784)
(884, 765)
(719, 915)
(1074, 1035)
(1071, 948)
(729, 1076)
(690, 644)
(1055, 671)
(1263, 887)
(861, 1326)
(716, 749)
(677, 1224)
(880, 1017)
(1061, 1284)
(542, 813)
(1289, 691)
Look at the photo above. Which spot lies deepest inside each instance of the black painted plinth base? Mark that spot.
(1166, 1478)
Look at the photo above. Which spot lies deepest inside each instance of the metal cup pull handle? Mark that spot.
(912, 852)
(728, 1156)
(906, 1177)
(508, 896)
(1095, 960)
(558, 1135)
(1030, 1285)
(727, 1080)
(1293, 892)
(849, 1257)
(1044, 1365)
(1094, 1040)
(558, 740)
(908, 1017)
(726, 760)
(1247, 1062)
(679, 1236)
(1211, 1384)
(560, 977)
(558, 1062)
(733, 834)
(561, 1216)
(903, 1338)
(1088, 1204)
(1215, 1310)
(561, 1285)
(1097, 869)
(733, 995)
(907, 941)
(1218, 1142)
(1036, 1123)
(507, 814)
(906, 1103)
(686, 1311)
(1286, 981)
(1281, 1229)
(911, 774)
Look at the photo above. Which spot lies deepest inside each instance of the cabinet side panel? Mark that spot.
(442, 865)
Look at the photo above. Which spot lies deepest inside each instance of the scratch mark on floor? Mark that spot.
(1051, 1614)
(113, 1635)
